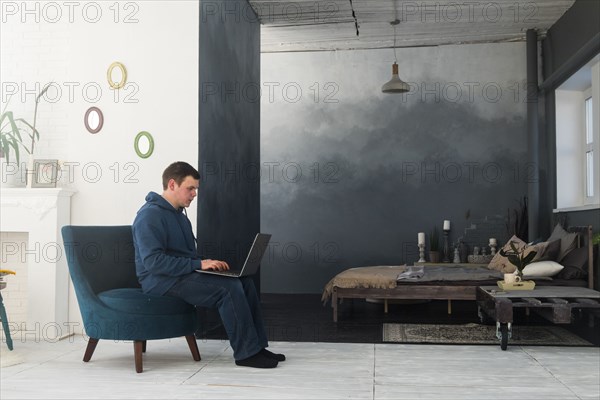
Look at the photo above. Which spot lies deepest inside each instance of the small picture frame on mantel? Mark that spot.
(45, 173)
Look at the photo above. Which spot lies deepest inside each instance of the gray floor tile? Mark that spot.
(43, 370)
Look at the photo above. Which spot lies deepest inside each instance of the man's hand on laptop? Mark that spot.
(214, 265)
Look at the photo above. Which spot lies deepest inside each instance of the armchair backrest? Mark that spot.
(100, 258)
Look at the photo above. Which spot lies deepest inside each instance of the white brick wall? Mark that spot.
(160, 52)
(12, 256)
(33, 54)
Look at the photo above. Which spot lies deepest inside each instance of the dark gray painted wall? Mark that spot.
(571, 42)
(229, 126)
(580, 218)
(569, 34)
(351, 181)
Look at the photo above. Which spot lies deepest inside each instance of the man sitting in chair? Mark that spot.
(166, 259)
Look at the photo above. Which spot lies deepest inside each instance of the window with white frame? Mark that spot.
(578, 139)
(589, 149)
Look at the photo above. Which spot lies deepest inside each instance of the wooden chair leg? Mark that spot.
(137, 353)
(144, 346)
(89, 350)
(334, 305)
(191, 340)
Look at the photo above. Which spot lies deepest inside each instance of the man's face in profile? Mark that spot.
(185, 193)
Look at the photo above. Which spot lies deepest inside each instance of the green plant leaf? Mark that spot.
(35, 132)
(6, 105)
(11, 128)
(43, 92)
(434, 240)
(11, 135)
(514, 260)
(6, 145)
(14, 129)
(13, 124)
(529, 257)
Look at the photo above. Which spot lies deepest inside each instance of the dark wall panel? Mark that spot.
(570, 43)
(229, 129)
(572, 32)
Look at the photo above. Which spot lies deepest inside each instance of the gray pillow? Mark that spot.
(568, 241)
(575, 264)
(547, 251)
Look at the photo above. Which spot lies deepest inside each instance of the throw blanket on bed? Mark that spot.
(379, 277)
(385, 277)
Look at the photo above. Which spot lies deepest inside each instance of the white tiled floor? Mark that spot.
(312, 371)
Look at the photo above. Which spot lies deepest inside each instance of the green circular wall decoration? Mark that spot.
(148, 142)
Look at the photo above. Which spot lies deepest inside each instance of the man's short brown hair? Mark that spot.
(178, 171)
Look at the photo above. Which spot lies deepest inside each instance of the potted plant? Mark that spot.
(518, 257)
(517, 221)
(434, 245)
(15, 133)
(11, 142)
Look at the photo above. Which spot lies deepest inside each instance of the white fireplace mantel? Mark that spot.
(41, 213)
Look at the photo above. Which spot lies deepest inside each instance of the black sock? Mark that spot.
(271, 355)
(257, 361)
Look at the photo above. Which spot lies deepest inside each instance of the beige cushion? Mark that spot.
(568, 241)
(501, 263)
(541, 269)
(544, 250)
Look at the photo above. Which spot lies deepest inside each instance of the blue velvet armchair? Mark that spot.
(102, 267)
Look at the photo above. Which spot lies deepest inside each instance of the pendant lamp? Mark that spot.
(395, 85)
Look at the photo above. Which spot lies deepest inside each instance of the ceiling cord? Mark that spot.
(395, 56)
(395, 23)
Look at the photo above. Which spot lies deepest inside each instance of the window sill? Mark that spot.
(577, 208)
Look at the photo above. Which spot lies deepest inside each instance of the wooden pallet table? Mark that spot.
(555, 303)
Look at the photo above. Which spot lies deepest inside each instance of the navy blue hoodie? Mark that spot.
(165, 247)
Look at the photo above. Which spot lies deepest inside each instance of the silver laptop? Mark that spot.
(253, 259)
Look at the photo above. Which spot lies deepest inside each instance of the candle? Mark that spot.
(446, 225)
(493, 241)
(421, 237)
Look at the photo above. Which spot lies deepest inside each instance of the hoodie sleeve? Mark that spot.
(150, 238)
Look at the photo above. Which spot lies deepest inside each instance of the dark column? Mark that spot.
(533, 139)
(229, 134)
(229, 131)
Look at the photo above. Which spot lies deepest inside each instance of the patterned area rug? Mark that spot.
(550, 335)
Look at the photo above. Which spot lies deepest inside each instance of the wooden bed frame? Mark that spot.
(407, 291)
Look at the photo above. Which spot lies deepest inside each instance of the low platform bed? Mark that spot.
(380, 282)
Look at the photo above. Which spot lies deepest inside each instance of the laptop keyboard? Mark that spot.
(232, 273)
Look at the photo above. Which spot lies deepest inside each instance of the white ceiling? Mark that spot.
(324, 25)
